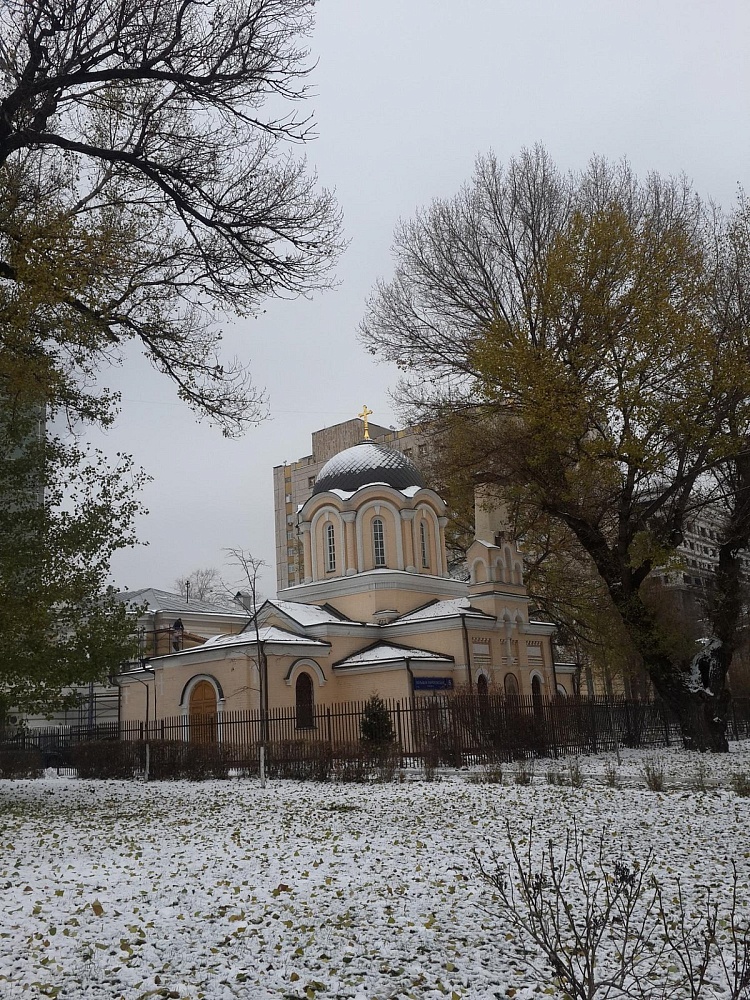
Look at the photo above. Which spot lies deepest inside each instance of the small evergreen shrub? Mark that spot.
(21, 763)
(107, 759)
(376, 726)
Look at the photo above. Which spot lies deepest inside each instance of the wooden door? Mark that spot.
(203, 727)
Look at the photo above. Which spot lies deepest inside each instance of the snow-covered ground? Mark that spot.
(225, 890)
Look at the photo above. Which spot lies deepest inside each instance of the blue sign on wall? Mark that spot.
(433, 683)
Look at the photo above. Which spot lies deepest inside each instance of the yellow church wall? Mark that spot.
(359, 687)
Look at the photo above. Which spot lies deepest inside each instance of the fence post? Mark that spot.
(328, 724)
(398, 734)
(148, 760)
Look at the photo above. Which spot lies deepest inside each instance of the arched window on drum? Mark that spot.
(330, 548)
(378, 542)
(425, 545)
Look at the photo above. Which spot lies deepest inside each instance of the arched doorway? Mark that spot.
(304, 701)
(482, 688)
(203, 728)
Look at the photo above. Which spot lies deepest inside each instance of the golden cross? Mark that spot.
(364, 415)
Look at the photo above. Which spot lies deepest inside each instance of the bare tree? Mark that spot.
(251, 567)
(204, 584)
(147, 188)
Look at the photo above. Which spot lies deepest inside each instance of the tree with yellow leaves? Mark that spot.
(583, 340)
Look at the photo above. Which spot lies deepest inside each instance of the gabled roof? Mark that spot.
(456, 608)
(163, 600)
(305, 614)
(266, 633)
(392, 652)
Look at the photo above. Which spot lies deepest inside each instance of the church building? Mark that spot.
(376, 611)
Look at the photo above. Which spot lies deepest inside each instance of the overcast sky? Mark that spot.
(406, 93)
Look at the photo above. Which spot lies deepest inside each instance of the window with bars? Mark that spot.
(425, 546)
(378, 542)
(330, 548)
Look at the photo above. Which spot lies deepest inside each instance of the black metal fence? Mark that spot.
(456, 730)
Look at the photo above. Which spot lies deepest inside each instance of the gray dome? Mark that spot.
(367, 463)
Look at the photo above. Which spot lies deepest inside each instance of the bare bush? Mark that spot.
(741, 784)
(611, 776)
(524, 772)
(609, 929)
(653, 772)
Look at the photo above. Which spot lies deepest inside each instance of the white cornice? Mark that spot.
(417, 666)
(377, 579)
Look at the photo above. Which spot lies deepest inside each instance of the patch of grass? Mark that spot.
(524, 772)
(701, 777)
(653, 772)
(611, 776)
(740, 782)
(571, 777)
(491, 774)
(575, 774)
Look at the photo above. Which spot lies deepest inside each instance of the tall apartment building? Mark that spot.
(293, 483)
(697, 562)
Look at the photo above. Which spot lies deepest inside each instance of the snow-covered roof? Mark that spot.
(391, 652)
(442, 609)
(266, 633)
(164, 600)
(366, 464)
(307, 614)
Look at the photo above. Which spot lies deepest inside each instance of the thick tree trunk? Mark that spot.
(702, 714)
(696, 693)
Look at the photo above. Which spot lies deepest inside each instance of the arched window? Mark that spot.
(482, 686)
(304, 702)
(425, 547)
(203, 713)
(378, 542)
(536, 694)
(330, 548)
(510, 684)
